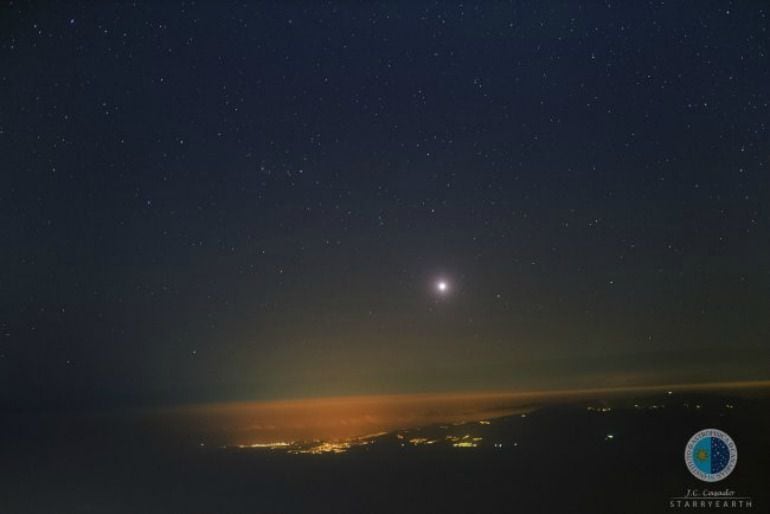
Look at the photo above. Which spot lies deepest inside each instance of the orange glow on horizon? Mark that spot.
(345, 417)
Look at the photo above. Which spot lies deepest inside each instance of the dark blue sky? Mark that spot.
(210, 200)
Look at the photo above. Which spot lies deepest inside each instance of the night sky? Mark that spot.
(203, 201)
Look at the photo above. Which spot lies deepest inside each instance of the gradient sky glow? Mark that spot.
(217, 201)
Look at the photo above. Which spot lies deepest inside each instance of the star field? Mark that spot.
(207, 201)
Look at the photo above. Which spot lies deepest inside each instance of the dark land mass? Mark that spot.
(624, 455)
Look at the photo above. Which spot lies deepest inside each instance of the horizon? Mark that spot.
(345, 417)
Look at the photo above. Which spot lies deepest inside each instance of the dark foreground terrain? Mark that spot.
(620, 456)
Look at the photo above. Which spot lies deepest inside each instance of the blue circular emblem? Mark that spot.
(710, 455)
